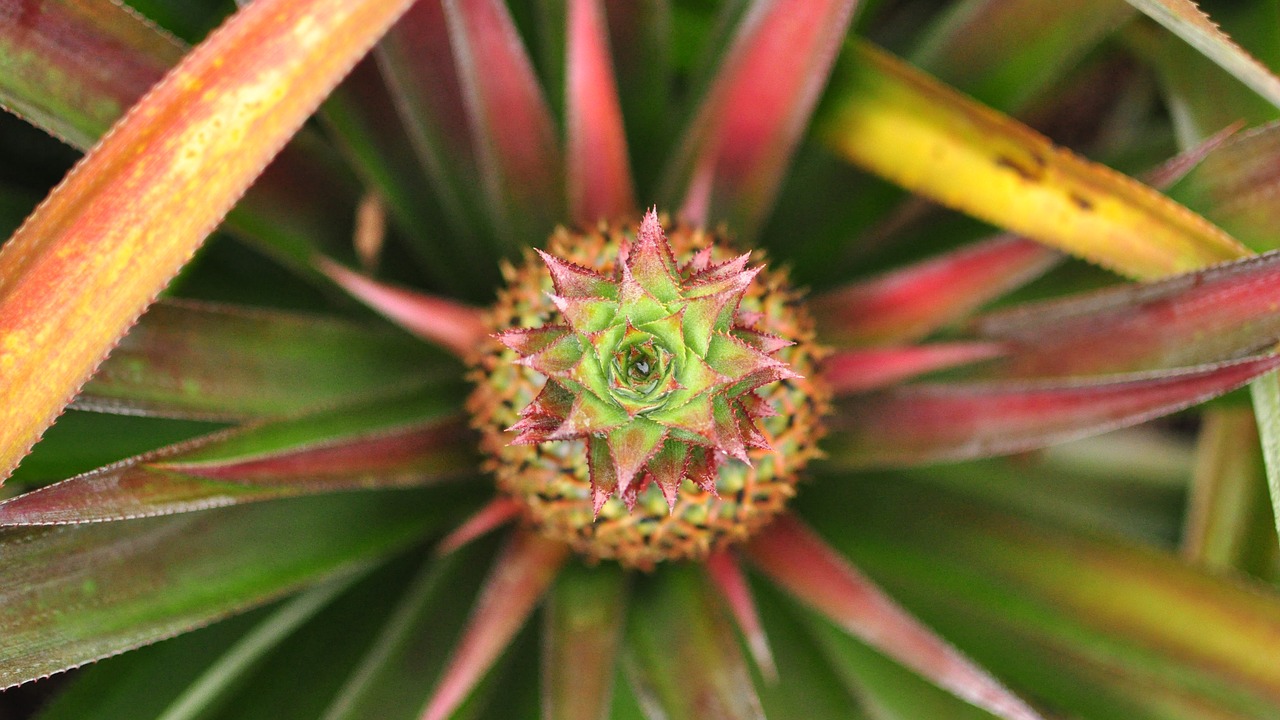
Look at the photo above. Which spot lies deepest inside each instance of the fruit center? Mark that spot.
(646, 397)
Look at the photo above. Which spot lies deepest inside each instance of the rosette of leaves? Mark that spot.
(654, 368)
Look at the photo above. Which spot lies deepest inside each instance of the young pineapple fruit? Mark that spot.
(648, 397)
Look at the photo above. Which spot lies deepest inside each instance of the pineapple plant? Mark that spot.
(379, 353)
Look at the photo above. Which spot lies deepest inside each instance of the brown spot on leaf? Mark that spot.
(1031, 173)
(1082, 202)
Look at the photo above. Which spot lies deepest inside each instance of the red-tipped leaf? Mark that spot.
(456, 327)
(391, 444)
(820, 577)
(910, 303)
(520, 575)
(1207, 316)
(598, 173)
(741, 139)
(726, 574)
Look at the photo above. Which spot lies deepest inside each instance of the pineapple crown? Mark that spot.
(654, 367)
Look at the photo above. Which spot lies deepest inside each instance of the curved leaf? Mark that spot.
(80, 270)
(197, 360)
(914, 131)
(390, 444)
(910, 303)
(931, 423)
(135, 582)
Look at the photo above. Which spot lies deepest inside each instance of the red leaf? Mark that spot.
(853, 371)
(1207, 316)
(928, 423)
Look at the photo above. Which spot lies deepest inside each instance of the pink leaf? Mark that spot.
(511, 126)
(598, 172)
(910, 303)
(727, 576)
(495, 514)
(455, 327)
(808, 568)
(853, 371)
(742, 138)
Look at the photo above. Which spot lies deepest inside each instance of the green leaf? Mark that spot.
(222, 362)
(681, 654)
(73, 594)
(1229, 523)
(582, 628)
(1186, 20)
(414, 640)
(1098, 627)
(1005, 53)
(391, 444)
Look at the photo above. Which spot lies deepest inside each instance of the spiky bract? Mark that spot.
(669, 394)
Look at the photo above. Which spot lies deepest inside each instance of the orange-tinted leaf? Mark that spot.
(99, 249)
(1185, 19)
(520, 575)
(390, 444)
(930, 423)
(598, 173)
(809, 569)
(741, 139)
(196, 360)
(582, 631)
(1216, 314)
(73, 68)
(910, 303)
(914, 131)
